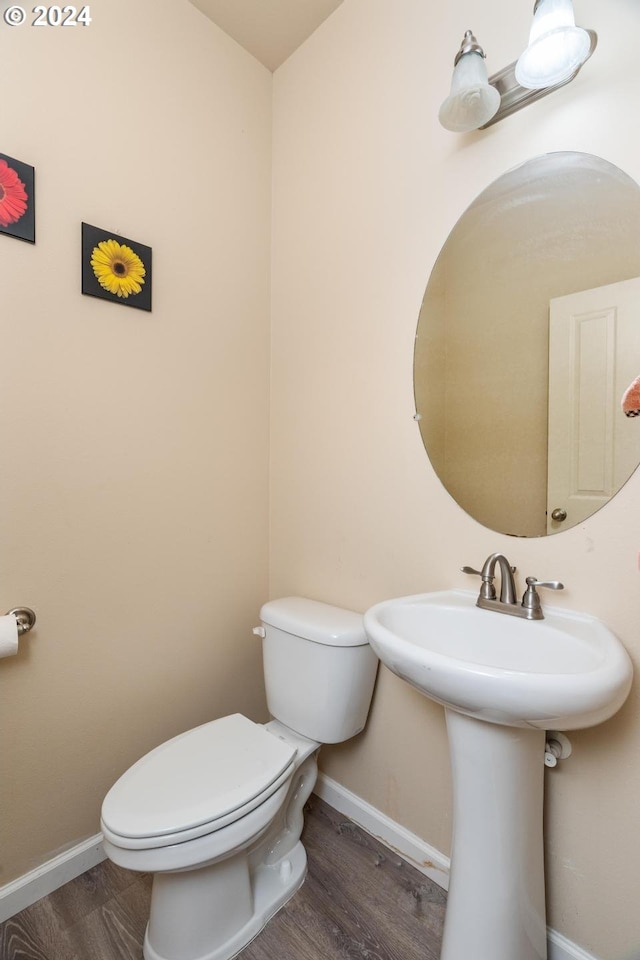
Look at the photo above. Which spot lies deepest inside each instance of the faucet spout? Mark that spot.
(507, 583)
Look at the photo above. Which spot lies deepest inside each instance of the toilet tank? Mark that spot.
(319, 669)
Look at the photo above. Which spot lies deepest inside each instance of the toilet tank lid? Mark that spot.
(315, 621)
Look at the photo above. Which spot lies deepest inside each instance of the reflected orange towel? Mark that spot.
(631, 399)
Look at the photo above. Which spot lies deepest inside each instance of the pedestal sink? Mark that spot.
(503, 682)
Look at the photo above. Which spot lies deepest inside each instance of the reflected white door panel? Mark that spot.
(594, 354)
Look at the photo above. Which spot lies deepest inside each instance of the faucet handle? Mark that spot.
(487, 589)
(531, 600)
(551, 584)
(479, 573)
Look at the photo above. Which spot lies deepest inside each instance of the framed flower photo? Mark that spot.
(17, 199)
(115, 268)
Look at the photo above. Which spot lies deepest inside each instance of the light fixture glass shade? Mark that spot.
(472, 100)
(556, 46)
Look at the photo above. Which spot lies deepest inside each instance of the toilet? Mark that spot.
(216, 813)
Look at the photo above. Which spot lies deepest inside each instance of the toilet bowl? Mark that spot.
(216, 813)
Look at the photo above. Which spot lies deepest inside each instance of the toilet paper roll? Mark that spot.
(8, 636)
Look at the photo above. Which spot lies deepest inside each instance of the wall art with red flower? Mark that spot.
(17, 199)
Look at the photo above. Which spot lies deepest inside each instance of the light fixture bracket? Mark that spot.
(513, 97)
(469, 45)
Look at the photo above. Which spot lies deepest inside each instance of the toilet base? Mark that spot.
(173, 937)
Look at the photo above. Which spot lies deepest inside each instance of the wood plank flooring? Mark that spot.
(359, 902)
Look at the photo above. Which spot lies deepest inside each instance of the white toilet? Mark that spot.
(216, 813)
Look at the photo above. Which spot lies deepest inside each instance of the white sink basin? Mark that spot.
(561, 673)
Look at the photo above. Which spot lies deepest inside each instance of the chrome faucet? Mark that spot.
(529, 609)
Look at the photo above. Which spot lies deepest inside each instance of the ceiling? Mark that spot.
(269, 29)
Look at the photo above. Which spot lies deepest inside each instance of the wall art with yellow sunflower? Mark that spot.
(17, 199)
(115, 268)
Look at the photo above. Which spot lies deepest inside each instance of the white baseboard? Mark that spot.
(423, 857)
(559, 948)
(38, 883)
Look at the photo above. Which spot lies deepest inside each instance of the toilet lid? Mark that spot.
(196, 778)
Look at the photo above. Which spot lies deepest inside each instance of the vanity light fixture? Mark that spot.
(557, 50)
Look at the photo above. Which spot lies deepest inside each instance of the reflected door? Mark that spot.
(594, 354)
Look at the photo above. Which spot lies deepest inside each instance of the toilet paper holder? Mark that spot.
(25, 618)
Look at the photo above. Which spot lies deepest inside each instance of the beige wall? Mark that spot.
(367, 186)
(134, 484)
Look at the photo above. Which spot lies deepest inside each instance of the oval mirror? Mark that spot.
(527, 340)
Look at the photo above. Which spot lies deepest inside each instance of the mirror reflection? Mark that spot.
(528, 336)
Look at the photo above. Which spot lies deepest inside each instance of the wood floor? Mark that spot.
(359, 902)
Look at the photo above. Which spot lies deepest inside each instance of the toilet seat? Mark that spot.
(196, 783)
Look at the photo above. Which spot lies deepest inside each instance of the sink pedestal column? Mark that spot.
(495, 907)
